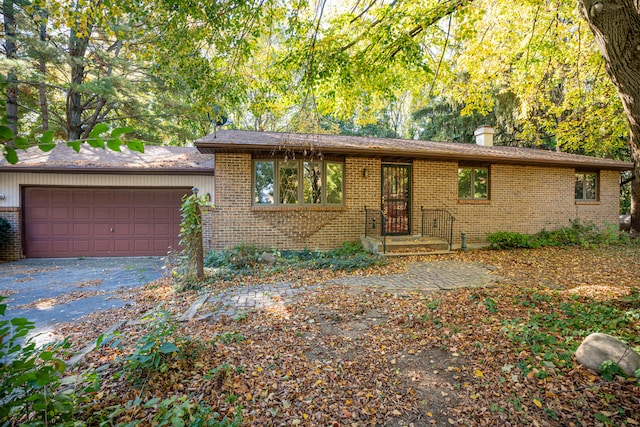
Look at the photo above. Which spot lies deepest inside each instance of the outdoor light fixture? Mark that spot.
(2, 197)
(365, 173)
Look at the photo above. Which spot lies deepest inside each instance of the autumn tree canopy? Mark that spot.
(545, 73)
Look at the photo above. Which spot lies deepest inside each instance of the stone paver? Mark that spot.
(419, 277)
(428, 276)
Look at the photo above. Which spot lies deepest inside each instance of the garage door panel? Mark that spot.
(81, 247)
(39, 213)
(38, 197)
(64, 213)
(83, 214)
(102, 230)
(62, 246)
(102, 246)
(142, 245)
(102, 197)
(163, 214)
(82, 197)
(143, 214)
(104, 214)
(57, 229)
(143, 198)
(123, 214)
(69, 222)
(122, 198)
(60, 198)
(143, 229)
(82, 230)
(123, 230)
(163, 230)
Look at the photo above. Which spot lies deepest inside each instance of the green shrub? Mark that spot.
(577, 234)
(34, 391)
(509, 240)
(5, 227)
(156, 348)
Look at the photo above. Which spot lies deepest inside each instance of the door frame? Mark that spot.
(407, 199)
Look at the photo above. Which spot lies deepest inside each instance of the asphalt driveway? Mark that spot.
(51, 291)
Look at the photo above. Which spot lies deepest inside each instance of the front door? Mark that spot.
(396, 198)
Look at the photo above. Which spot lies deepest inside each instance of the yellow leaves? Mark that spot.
(537, 403)
(478, 373)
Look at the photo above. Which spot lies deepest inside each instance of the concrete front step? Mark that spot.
(405, 245)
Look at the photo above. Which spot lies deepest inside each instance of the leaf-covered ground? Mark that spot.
(501, 355)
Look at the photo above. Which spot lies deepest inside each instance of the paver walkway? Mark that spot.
(419, 277)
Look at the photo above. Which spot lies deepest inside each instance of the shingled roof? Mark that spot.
(154, 160)
(249, 141)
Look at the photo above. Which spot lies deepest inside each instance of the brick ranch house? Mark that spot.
(98, 202)
(293, 191)
(296, 191)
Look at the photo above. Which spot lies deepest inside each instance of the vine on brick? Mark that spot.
(191, 235)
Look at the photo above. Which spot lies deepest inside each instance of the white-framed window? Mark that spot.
(279, 182)
(473, 183)
(586, 186)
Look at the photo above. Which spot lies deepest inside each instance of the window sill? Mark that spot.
(255, 208)
(473, 202)
(587, 202)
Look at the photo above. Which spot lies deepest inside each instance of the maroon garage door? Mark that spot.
(70, 222)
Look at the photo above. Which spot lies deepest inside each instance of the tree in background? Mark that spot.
(616, 26)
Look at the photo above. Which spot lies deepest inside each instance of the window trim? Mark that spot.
(584, 200)
(473, 167)
(301, 204)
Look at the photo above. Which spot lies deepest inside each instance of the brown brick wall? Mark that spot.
(522, 198)
(12, 250)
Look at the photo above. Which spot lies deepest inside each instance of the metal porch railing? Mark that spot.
(438, 223)
(375, 226)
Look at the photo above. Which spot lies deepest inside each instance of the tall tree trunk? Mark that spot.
(42, 67)
(616, 26)
(11, 52)
(77, 51)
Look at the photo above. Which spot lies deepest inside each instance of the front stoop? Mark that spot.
(405, 245)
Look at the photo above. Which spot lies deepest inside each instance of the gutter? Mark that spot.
(212, 148)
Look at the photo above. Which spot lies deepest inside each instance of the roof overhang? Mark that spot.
(269, 142)
(105, 171)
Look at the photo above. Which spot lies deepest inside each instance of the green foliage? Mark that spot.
(554, 337)
(175, 411)
(191, 256)
(229, 338)
(610, 369)
(34, 390)
(156, 348)
(577, 234)
(181, 411)
(246, 259)
(5, 228)
(509, 240)
(491, 305)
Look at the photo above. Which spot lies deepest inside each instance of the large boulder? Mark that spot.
(598, 347)
(625, 222)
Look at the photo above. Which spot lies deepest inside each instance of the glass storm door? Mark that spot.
(396, 198)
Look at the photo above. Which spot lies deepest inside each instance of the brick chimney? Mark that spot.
(484, 135)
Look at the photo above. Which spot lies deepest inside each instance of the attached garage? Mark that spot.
(95, 221)
(99, 203)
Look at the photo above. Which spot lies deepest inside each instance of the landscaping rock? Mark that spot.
(267, 258)
(598, 347)
(625, 222)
